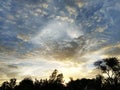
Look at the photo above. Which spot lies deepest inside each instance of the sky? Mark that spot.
(38, 36)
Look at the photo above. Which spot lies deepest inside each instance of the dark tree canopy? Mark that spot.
(110, 67)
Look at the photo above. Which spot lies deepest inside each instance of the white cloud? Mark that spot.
(57, 31)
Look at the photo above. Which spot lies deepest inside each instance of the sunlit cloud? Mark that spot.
(38, 36)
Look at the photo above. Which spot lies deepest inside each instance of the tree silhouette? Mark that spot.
(9, 85)
(26, 84)
(12, 83)
(5, 86)
(56, 78)
(53, 76)
(111, 68)
(108, 66)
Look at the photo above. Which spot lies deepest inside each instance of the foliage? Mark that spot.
(109, 67)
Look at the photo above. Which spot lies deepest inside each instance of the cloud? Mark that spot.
(70, 20)
(62, 40)
(23, 37)
(112, 50)
(8, 71)
(71, 10)
(101, 29)
(57, 31)
(71, 34)
(79, 3)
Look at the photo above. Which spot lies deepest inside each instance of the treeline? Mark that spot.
(108, 79)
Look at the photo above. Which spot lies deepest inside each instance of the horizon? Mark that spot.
(38, 36)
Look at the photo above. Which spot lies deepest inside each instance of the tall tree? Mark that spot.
(111, 68)
(12, 83)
